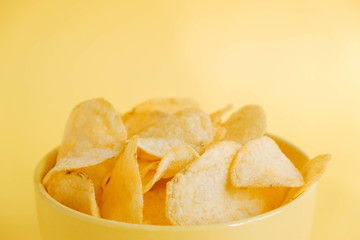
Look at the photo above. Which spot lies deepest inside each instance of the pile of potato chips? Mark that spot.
(167, 162)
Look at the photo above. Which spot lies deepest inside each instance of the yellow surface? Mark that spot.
(298, 59)
(57, 222)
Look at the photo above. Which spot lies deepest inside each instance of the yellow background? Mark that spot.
(299, 59)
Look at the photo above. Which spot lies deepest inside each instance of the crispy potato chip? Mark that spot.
(246, 124)
(122, 199)
(312, 172)
(168, 105)
(94, 133)
(190, 126)
(138, 122)
(260, 163)
(154, 148)
(274, 196)
(154, 205)
(146, 166)
(75, 190)
(97, 173)
(219, 133)
(168, 162)
(217, 116)
(201, 194)
(104, 182)
(174, 161)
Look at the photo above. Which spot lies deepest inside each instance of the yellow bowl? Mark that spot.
(291, 221)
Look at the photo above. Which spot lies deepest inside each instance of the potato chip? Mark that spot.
(216, 117)
(190, 126)
(201, 194)
(154, 205)
(174, 161)
(219, 133)
(167, 162)
(312, 172)
(97, 173)
(138, 122)
(154, 148)
(94, 133)
(260, 163)
(274, 196)
(146, 166)
(168, 105)
(122, 199)
(104, 182)
(246, 124)
(75, 190)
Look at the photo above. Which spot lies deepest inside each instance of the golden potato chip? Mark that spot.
(104, 182)
(154, 148)
(312, 172)
(166, 162)
(190, 126)
(154, 205)
(217, 116)
(138, 122)
(219, 133)
(260, 163)
(168, 105)
(75, 190)
(94, 133)
(97, 173)
(201, 194)
(122, 199)
(146, 166)
(174, 161)
(274, 196)
(246, 124)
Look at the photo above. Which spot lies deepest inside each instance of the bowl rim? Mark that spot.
(40, 190)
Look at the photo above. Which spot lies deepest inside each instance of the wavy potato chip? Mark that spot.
(174, 161)
(246, 124)
(167, 105)
(201, 194)
(138, 122)
(260, 163)
(312, 172)
(154, 205)
(190, 126)
(75, 190)
(94, 133)
(122, 199)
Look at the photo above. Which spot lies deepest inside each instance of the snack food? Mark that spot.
(260, 163)
(168, 162)
(122, 199)
(201, 194)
